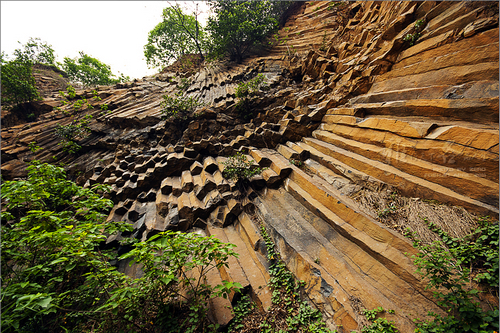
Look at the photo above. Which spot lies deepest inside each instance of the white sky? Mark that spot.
(114, 32)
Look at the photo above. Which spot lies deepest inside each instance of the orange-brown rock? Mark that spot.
(350, 108)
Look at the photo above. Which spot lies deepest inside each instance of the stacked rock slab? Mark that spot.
(350, 100)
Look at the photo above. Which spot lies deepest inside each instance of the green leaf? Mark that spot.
(58, 260)
(45, 302)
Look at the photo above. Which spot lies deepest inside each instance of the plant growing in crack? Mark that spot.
(238, 167)
(245, 92)
(69, 134)
(181, 105)
(411, 38)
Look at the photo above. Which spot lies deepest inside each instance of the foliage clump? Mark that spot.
(181, 105)
(411, 38)
(178, 34)
(246, 89)
(69, 134)
(36, 52)
(58, 275)
(18, 82)
(238, 26)
(49, 233)
(451, 264)
(288, 313)
(90, 71)
(239, 167)
(233, 29)
(378, 324)
(245, 92)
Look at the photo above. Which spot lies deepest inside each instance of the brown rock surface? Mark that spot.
(354, 105)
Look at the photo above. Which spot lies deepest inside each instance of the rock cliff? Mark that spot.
(351, 110)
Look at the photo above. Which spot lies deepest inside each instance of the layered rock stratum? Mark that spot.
(351, 108)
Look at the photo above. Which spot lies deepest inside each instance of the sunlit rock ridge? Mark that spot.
(350, 106)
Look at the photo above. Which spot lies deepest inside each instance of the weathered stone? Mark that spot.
(210, 165)
(383, 115)
(196, 168)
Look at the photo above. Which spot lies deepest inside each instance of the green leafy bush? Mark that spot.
(36, 52)
(90, 71)
(50, 230)
(447, 264)
(72, 132)
(238, 26)
(70, 92)
(33, 147)
(238, 167)
(57, 276)
(324, 44)
(18, 83)
(175, 265)
(245, 91)
(378, 325)
(179, 106)
(96, 95)
(411, 38)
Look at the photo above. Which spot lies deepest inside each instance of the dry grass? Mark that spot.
(402, 213)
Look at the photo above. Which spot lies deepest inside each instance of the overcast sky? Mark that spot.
(114, 32)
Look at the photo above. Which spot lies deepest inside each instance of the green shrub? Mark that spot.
(33, 147)
(175, 265)
(245, 91)
(411, 38)
(70, 92)
(238, 167)
(90, 71)
(179, 106)
(447, 264)
(96, 95)
(50, 230)
(72, 132)
(36, 52)
(324, 45)
(236, 27)
(57, 276)
(18, 83)
(378, 325)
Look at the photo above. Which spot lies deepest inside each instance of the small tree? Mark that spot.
(90, 71)
(239, 25)
(18, 83)
(178, 34)
(36, 52)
